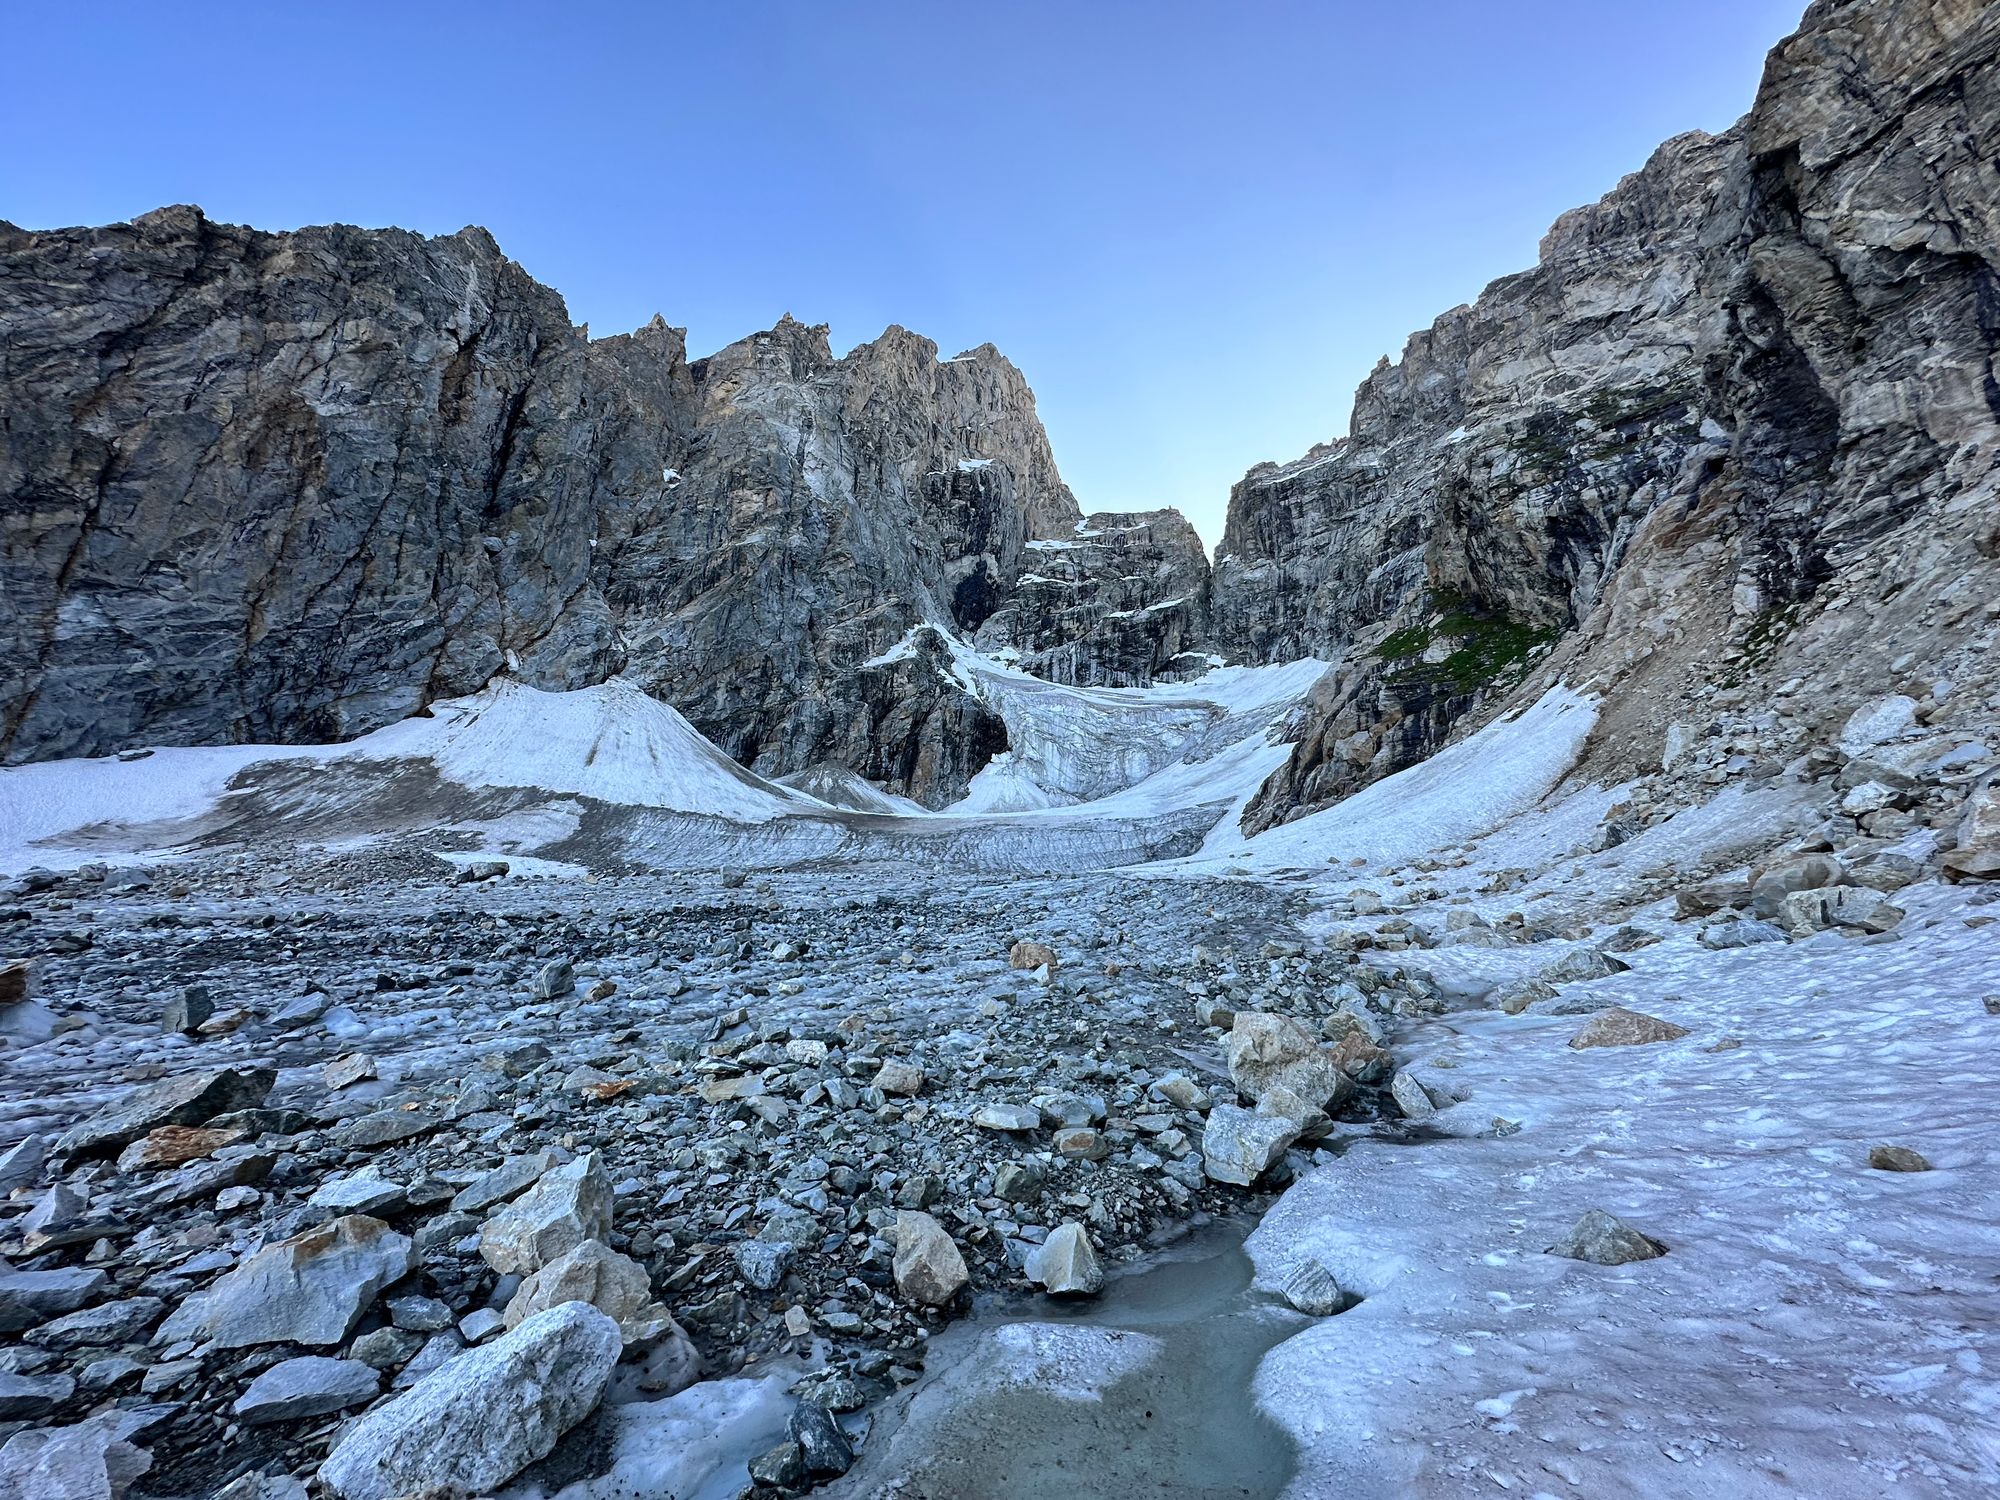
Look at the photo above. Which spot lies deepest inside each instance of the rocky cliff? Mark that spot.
(1736, 431)
(294, 486)
(1120, 602)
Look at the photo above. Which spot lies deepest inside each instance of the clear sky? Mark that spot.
(1195, 226)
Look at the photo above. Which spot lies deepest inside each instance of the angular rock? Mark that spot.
(1007, 1117)
(614, 1284)
(480, 1419)
(1605, 1240)
(1238, 1145)
(1065, 1264)
(1619, 1027)
(310, 1386)
(86, 1462)
(310, 1289)
(567, 1205)
(929, 1268)
(1266, 1049)
(1804, 872)
(190, 1099)
(822, 1445)
(31, 1297)
(512, 1177)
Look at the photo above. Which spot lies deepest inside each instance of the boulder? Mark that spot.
(1804, 872)
(1266, 1049)
(190, 1099)
(1804, 913)
(310, 1289)
(1976, 854)
(1310, 1288)
(1616, 1026)
(899, 1078)
(567, 1205)
(1897, 1159)
(478, 1420)
(1031, 955)
(1065, 1264)
(1605, 1240)
(929, 1268)
(592, 1272)
(1239, 1145)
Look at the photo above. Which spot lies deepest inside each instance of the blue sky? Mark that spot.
(1194, 226)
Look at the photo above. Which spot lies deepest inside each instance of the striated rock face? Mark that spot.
(1751, 389)
(1121, 602)
(822, 508)
(294, 486)
(270, 487)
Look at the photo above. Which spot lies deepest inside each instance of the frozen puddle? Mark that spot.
(1145, 1390)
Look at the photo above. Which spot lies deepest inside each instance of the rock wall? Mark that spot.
(294, 486)
(1121, 602)
(1751, 389)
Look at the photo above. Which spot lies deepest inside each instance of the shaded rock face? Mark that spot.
(1753, 385)
(1121, 602)
(281, 487)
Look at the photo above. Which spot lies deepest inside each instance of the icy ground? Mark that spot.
(1817, 1328)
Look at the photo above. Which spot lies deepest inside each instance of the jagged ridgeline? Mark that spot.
(1738, 426)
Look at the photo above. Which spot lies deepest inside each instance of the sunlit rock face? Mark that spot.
(1750, 388)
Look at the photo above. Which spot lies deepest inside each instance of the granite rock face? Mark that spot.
(1751, 388)
(291, 487)
(1122, 602)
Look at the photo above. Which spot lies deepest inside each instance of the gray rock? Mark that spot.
(567, 1205)
(123, 1322)
(822, 1445)
(21, 1163)
(1238, 1145)
(187, 1010)
(89, 1461)
(26, 1397)
(1065, 1264)
(511, 1178)
(1604, 1240)
(1803, 872)
(1007, 1117)
(190, 1099)
(309, 1289)
(1266, 1050)
(928, 1266)
(480, 1419)
(1310, 1288)
(1411, 1097)
(762, 1264)
(556, 980)
(31, 1297)
(310, 1386)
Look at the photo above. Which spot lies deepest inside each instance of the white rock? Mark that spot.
(568, 1205)
(480, 1419)
(1065, 1264)
(929, 1268)
(1240, 1145)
